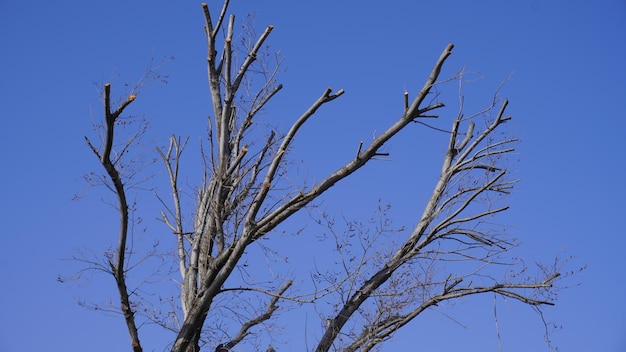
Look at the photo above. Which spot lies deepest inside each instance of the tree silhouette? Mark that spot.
(384, 278)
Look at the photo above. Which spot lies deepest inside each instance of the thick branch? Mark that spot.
(213, 70)
(271, 172)
(376, 333)
(298, 202)
(410, 248)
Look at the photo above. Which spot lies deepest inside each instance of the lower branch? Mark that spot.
(271, 308)
(376, 333)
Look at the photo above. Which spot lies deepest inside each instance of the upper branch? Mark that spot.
(497, 122)
(414, 110)
(118, 267)
(251, 57)
(296, 203)
(271, 172)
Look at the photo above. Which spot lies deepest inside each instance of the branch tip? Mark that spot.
(358, 152)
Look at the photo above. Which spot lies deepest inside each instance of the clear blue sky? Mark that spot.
(567, 100)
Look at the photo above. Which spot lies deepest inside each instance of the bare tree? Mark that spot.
(386, 276)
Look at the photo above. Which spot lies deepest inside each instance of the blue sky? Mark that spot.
(566, 97)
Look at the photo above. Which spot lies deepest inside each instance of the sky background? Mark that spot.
(566, 92)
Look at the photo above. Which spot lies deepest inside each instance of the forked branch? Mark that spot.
(288, 208)
(118, 266)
